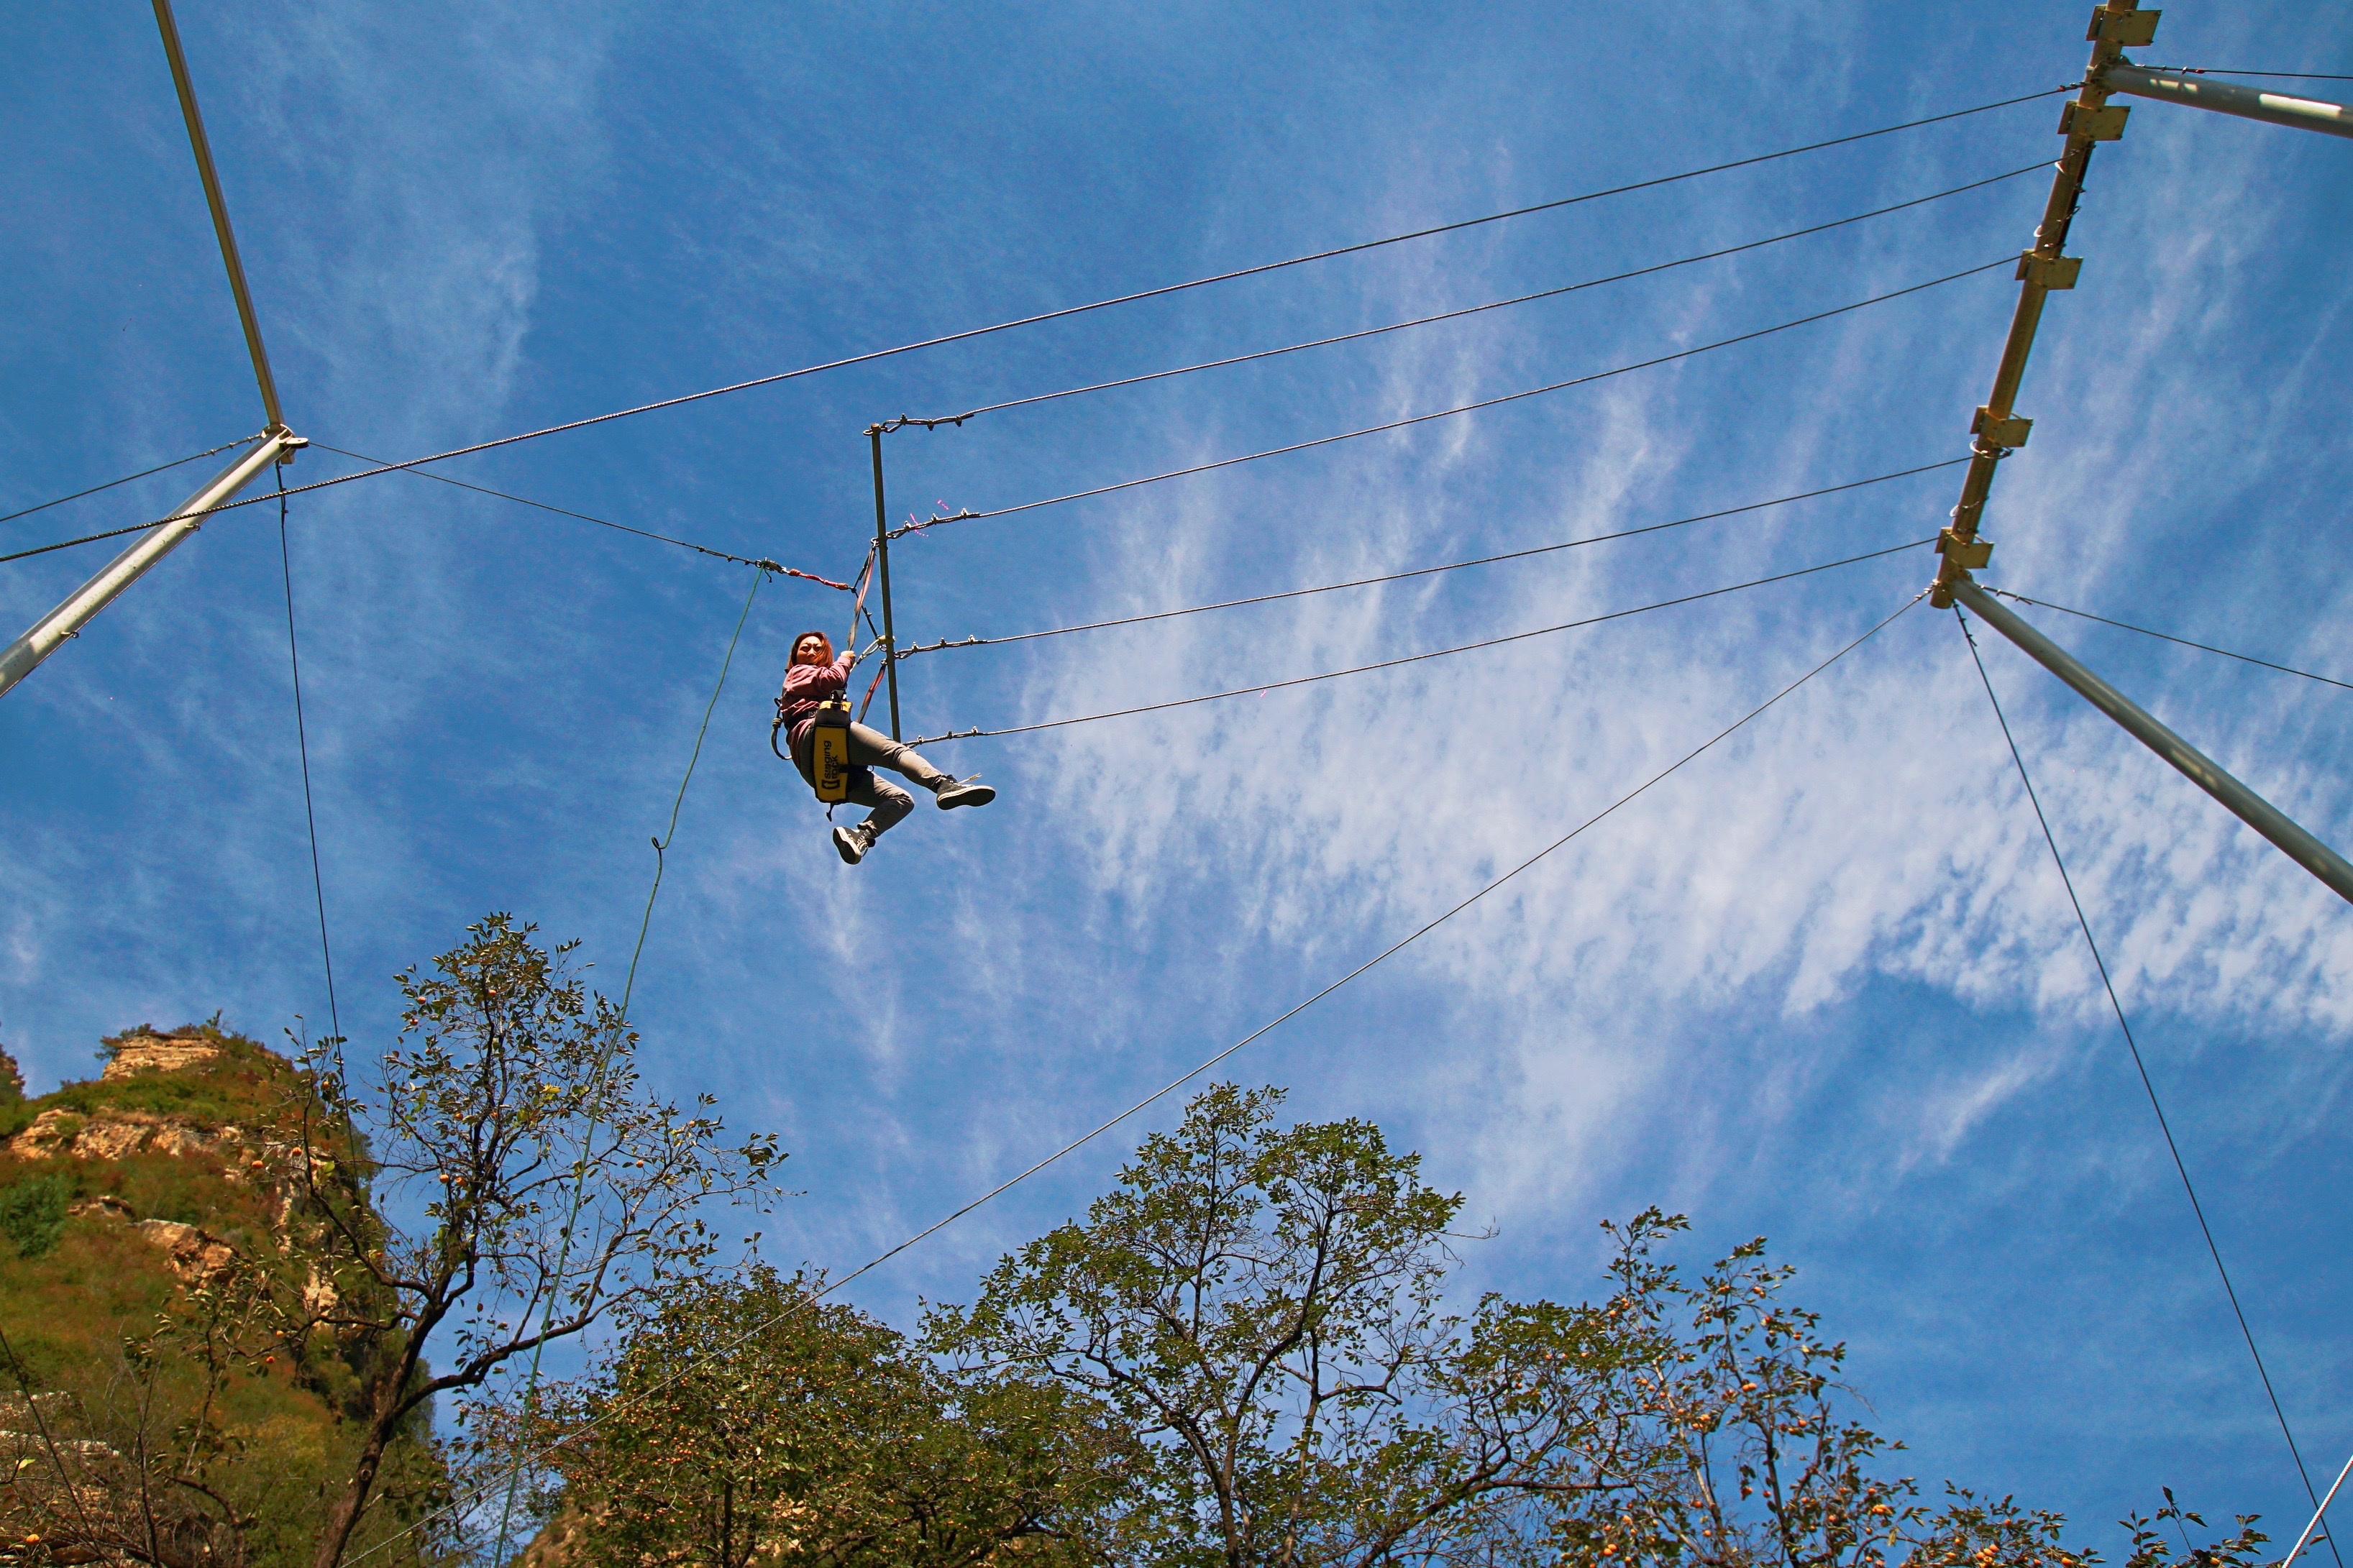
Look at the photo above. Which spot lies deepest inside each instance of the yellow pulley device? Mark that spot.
(829, 745)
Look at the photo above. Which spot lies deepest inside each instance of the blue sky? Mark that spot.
(1823, 984)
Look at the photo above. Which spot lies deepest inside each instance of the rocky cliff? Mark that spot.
(167, 1392)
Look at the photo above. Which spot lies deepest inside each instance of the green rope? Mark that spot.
(604, 1059)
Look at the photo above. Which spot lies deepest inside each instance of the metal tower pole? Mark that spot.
(16, 661)
(203, 148)
(2194, 764)
(277, 444)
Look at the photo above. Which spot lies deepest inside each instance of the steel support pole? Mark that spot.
(882, 577)
(16, 661)
(2231, 98)
(203, 148)
(2194, 764)
(1997, 430)
(2317, 1513)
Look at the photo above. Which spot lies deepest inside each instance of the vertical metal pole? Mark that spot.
(18, 659)
(2195, 765)
(883, 572)
(204, 171)
(1998, 429)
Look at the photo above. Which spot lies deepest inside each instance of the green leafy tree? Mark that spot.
(1262, 1305)
(552, 1190)
(747, 1421)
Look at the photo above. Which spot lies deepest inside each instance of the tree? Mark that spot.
(1741, 1453)
(745, 1420)
(552, 1190)
(1263, 1304)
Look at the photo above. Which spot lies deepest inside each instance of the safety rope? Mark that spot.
(2139, 1065)
(605, 1056)
(1418, 657)
(462, 1504)
(921, 525)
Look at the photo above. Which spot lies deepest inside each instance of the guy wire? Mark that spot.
(2141, 1066)
(302, 743)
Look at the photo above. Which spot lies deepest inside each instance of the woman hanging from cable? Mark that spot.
(816, 695)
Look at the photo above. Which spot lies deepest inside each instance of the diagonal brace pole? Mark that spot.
(16, 660)
(2195, 765)
(2231, 98)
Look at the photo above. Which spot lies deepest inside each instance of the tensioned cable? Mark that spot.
(762, 562)
(1170, 1088)
(1418, 657)
(1427, 571)
(2139, 1065)
(302, 740)
(1068, 311)
(905, 420)
(604, 1055)
(922, 524)
(160, 467)
(2162, 637)
(2224, 71)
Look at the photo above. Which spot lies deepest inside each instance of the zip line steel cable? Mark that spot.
(911, 650)
(302, 742)
(605, 1056)
(923, 524)
(762, 562)
(905, 420)
(2161, 636)
(1418, 657)
(538, 1455)
(2140, 1066)
(160, 467)
(968, 333)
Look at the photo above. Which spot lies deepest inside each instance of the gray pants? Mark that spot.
(871, 748)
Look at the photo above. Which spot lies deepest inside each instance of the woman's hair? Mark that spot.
(820, 638)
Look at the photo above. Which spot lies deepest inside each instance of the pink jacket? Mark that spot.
(805, 686)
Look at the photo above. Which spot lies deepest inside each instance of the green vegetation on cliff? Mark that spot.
(157, 1402)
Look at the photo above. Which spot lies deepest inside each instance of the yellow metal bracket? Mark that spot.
(2052, 272)
(2105, 124)
(1969, 555)
(2123, 27)
(2009, 431)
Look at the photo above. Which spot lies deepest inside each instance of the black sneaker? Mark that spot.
(952, 793)
(853, 843)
